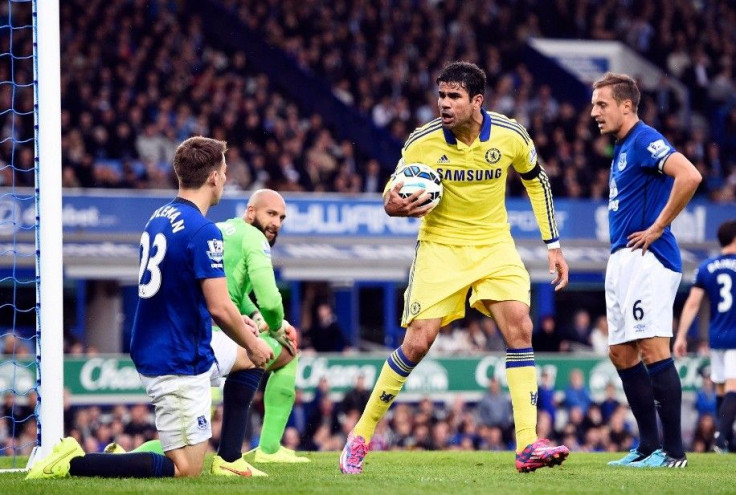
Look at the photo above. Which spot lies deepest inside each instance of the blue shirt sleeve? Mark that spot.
(699, 277)
(654, 150)
(206, 248)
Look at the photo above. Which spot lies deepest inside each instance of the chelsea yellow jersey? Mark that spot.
(473, 206)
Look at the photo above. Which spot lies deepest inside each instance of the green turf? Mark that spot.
(425, 473)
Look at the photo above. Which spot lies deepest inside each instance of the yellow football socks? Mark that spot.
(392, 378)
(521, 375)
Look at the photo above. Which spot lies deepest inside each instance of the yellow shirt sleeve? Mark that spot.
(538, 187)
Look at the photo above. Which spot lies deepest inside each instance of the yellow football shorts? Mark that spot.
(441, 276)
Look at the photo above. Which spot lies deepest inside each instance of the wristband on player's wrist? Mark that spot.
(553, 245)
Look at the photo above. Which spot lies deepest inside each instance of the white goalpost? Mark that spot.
(46, 227)
(49, 251)
(30, 62)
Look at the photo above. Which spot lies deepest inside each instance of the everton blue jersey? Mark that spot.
(639, 190)
(172, 328)
(717, 277)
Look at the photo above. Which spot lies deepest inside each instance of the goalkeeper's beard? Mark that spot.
(260, 227)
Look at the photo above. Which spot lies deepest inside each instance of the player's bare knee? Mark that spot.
(654, 350)
(418, 339)
(416, 345)
(524, 331)
(519, 333)
(415, 349)
(622, 357)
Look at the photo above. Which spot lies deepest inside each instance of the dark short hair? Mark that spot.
(623, 87)
(727, 233)
(466, 74)
(196, 158)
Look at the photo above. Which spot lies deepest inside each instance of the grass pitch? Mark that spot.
(424, 473)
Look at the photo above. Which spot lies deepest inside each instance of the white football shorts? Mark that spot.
(640, 293)
(182, 407)
(722, 365)
(226, 350)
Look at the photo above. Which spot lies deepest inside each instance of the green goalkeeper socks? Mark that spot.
(278, 400)
(150, 446)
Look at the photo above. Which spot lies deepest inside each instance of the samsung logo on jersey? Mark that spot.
(469, 175)
(726, 264)
(172, 214)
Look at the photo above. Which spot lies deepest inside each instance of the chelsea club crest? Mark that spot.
(493, 155)
(621, 161)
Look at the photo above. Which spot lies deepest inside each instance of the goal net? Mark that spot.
(31, 321)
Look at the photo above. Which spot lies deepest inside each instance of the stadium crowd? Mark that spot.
(133, 93)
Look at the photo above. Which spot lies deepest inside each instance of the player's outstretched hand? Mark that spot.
(411, 206)
(680, 347)
(259, 353)
(558, 267)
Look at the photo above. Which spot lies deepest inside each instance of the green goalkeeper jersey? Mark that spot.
(248, 266)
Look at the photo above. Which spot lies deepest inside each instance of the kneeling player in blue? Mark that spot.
(181, 289)
(247, 260)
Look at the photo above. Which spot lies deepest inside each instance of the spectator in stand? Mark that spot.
(433, 411)
(356, 398)
(599, 336)
(546, 400)
(13, 345)
(112, 112)
(299, 414)
(374, 177)
(323, 423)
(322, 390)
(494, 409)
(610, 403)
(476, 340)
(578, 335)
(576, 392)
(620, 431)
(140, 423)
(546, 338)
(326, 335)
(494, 339)
(545, 424)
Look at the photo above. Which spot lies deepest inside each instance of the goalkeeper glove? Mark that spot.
(260, 322)
(286, 336)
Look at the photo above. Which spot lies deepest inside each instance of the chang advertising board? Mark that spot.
(109, 379)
